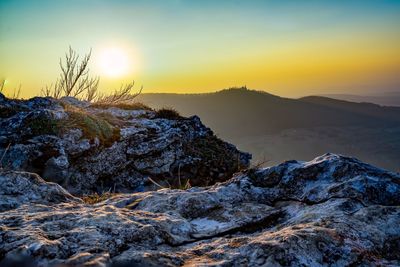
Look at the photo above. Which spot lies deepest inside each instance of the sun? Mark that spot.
(114, 62)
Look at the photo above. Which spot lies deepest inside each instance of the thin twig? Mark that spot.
(154, 182)
(4, 154)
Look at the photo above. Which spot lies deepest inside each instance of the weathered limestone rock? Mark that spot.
(90, 149)
(24, 188)
(332, 211)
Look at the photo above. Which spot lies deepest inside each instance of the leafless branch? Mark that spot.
(91, 90)
(52, 91)
(75, 81)
(74, 78)
(123, 95)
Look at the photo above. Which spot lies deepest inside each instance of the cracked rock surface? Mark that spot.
(331, 211)
(90, 149)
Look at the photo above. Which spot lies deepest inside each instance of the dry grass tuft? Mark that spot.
(168, 113)
(96, 198)
(92, 125)
(16, 92)
(125, 106)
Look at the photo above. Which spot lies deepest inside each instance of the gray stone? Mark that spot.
(23, 188)
(331, 211)
(47, 139)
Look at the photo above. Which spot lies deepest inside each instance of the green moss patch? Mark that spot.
(42, 125)
(92, 126)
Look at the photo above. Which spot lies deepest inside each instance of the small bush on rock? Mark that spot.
(216, 157)
(75, 81)
(168, 113)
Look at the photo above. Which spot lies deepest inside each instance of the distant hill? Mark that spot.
(239, 112)
(278, 128)
(385, 99)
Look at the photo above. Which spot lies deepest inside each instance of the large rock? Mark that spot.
(332, 211)
(94, 149)
(23, 188)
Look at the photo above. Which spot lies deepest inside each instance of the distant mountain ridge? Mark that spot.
(384, 99)
(242, 115)
(230, 107)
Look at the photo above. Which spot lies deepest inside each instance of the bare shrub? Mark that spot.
(75, 81)
(74, 78)
(92, 93)
(52, 91)
(123, 95)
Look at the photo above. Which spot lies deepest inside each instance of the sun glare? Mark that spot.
(114, 62)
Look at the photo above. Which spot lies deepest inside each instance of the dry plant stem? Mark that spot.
(187, 185)
(179, 175)
(2, 84)
(4, 154)
(74, 79)
(123, 95)
(155, 183)
(16, 92)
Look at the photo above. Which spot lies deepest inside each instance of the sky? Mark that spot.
(288, 48)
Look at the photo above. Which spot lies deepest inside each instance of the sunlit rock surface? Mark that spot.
(332, 211)
(90, 149)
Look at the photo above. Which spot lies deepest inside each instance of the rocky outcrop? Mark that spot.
(88, 148)
(19, 188)
(332, 211)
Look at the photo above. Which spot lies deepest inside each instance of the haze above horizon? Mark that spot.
(288, 48)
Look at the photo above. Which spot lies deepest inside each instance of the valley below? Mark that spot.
(378, 146)
(274, 129)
